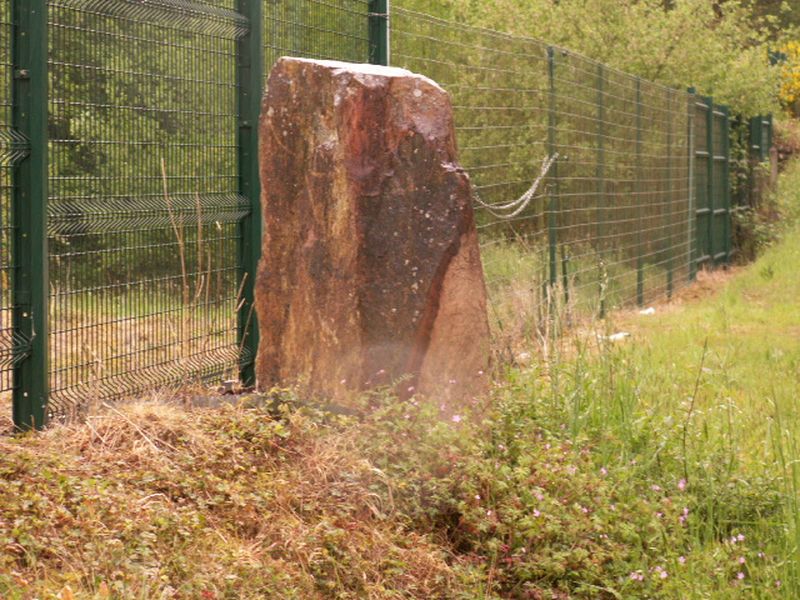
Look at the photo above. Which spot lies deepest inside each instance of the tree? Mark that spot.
(780, 12)
(719, 48)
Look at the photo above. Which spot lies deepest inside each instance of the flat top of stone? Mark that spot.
(363, 69)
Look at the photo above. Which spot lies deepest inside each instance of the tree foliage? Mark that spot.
(790, 82)
(782, 15)
(719, 48)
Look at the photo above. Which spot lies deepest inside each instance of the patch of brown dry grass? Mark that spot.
(154, 501)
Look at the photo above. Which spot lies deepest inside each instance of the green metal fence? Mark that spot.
(129, 239)
(761, 134)
(637, 197)
(752, 141)
(129, 192)
(12, 149)
(713, 184)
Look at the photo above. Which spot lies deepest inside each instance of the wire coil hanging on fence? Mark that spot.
(518, 206)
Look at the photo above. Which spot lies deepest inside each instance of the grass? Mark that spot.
(661, 467)
(521, 304)
(155, 501)
(706, 394)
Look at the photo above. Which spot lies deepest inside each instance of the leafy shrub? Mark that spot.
(721, 48)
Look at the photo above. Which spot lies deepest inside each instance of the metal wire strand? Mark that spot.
(519, 205)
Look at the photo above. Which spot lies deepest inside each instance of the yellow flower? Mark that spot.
(790, 75)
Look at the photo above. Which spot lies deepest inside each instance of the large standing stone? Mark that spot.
(370, 269)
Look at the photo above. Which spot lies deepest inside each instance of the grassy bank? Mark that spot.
(158, 502)
(664, 466)
(704, 397)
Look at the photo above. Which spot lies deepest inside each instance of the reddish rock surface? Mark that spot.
(370, 271)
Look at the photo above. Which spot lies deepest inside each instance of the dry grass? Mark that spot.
(154, 501)
(707, 287)
(6, 423)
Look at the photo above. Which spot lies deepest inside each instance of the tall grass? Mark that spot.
(525, 310)
(664, 466)
(703, 397)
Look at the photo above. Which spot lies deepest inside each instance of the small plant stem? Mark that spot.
(690, 412)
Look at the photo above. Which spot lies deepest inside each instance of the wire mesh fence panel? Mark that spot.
(751, 144)
(9, 150)
(582, 177)
(320, 29)
(499, 89)
(680, 184)
(761, 135)
(143, 209)
(721, 212)
(703, 174)
(623, 197)
(611, 222)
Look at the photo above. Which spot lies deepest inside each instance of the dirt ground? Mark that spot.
(707, 285)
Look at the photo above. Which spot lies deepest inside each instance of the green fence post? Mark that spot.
(710, 174)
(770, 123)
(250, 79)
(379, 32)
(552, 223)
(640, 207)
(670, 201)
(756, 135)
(565, 273)
(726, 152)
(691, 224)
(30, 280)
(761, 136)
(759, 145)
(600, 175)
